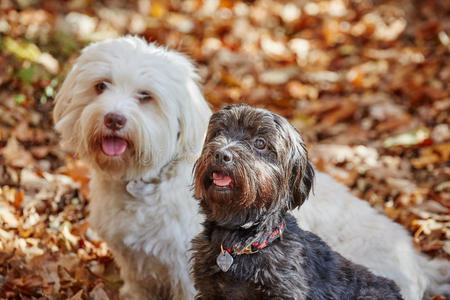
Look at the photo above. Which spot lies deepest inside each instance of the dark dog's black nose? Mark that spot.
(115, 121)
(223, 157)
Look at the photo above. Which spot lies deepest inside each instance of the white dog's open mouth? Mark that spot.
(114, 145)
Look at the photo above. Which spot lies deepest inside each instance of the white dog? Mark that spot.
(135, 113)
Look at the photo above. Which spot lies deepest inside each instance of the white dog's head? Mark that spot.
(128, 106)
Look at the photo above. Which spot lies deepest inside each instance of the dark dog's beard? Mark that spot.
(253, 190)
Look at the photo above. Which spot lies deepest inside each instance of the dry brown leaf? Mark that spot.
(16, 155)
(79, 172)
(346, 110)
(28, 284)
(40, 151)
(77, 296)
(18, 198)
(432, 155)
(23, 132)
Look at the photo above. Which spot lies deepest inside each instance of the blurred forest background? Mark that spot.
(365, 81)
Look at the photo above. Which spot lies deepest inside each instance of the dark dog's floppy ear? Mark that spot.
(299, 170)
(301, 184)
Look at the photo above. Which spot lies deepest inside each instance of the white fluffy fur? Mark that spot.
(142, 205)
(149, 235)
(356, 230)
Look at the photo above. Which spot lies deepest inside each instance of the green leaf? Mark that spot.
(22, 49)
(65, 43)
(43, 99)
(49, 91)
(27, 75)
(410, 138)
(19, 98)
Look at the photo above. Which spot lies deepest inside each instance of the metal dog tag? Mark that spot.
(224, 261)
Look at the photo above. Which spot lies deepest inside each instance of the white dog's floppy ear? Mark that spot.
(65, 115)
(194, 111)
(64, 96)
(299, 170)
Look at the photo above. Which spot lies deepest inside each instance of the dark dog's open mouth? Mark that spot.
(114, 145)
(222, 180)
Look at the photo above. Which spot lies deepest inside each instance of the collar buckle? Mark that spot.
(247, 250)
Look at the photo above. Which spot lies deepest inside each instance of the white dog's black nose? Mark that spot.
(223, 157)
(115, 121)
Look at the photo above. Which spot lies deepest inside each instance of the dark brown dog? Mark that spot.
(253, 169)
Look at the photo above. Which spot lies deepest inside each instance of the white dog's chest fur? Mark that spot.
(153, 229)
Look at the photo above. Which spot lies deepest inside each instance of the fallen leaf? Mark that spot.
(15, 154)
(346, 110)
(411, 138)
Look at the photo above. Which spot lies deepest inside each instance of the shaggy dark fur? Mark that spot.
(266, 160)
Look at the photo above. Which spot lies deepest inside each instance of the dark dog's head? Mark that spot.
(253, 162)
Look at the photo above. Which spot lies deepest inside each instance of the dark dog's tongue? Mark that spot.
(114, 146)
(221, 179)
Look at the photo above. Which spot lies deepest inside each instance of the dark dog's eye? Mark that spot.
(101, 86)
(145, 97)
(260, 144)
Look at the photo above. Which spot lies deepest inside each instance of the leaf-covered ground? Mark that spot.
(366, 82)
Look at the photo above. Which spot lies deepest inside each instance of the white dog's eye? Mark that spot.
(260, 144)
(101, 86)
(145, 97)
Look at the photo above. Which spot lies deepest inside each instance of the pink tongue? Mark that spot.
(221, 180)
(113, 146)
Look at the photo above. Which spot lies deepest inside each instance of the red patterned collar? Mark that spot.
(269, 237)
